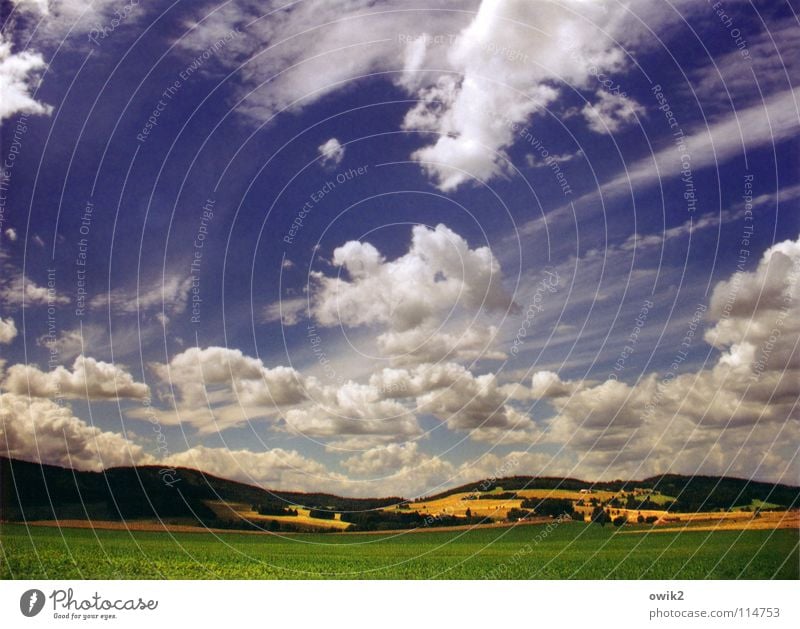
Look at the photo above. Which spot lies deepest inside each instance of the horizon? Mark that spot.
(420, 498)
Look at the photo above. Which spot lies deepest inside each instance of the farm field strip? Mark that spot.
(568, 550)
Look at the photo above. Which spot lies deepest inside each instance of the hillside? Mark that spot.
(44, 492)
(40, 492)
(692, 493)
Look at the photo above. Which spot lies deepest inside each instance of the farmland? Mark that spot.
(548, 551)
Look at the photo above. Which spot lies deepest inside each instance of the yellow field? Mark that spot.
(724, 522)
(454, 505)
(238, 511)
(567, 494)
(497, 511)
(457, 504)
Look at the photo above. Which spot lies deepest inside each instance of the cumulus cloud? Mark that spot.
(396, 469)
(331, 153)
(353, 416)
(464, 401)
(195, 372)
(506, 63)
(216, 388)
(611, 112)
(19, 77)
(422, 345)
(412, 295)
(756, 313)
(8, 330)
(479, 73)
(736, 416)
(399, 469)
(11, 234)
(545, 384)
(273, 469)
(89, 379)
(39, 430)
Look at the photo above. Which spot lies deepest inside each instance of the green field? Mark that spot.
(569, 550)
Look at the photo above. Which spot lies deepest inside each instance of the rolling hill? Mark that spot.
(31, 491)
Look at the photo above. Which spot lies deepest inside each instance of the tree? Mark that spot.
(620, 520)
(468, 513)
(599, 516)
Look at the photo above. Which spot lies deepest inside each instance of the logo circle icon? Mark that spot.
(31, 602)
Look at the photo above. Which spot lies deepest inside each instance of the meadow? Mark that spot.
(568, 550)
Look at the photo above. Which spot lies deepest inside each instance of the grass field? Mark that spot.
(554, 551)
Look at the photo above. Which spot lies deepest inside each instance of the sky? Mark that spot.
(386, 248)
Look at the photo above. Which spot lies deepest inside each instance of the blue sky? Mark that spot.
(429, 242)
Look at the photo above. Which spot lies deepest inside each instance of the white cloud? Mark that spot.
(89, 379)
(415, 294)
(65, 345)
(759, 310)
(331, 153)
(771, 121)
(18, 290)
(464, 401)
(19, 77)
(216, 388)
(39, 430)
(638, 241)
(770, 63)
(287, 311)
(273, 469)
(545, 384)
(471, 342)
(506, 63)
(8, 330)
(11, 234)
(535, 162)
(195, 372)
(479, 75)
(399, 469)
(171, 294)
(62, 21)
(354, 416)
(611, 112)
(289, 470)
(737, 416)
(304, 52)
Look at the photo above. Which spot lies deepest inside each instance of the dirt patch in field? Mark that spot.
(158, 527)
(150, 527)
